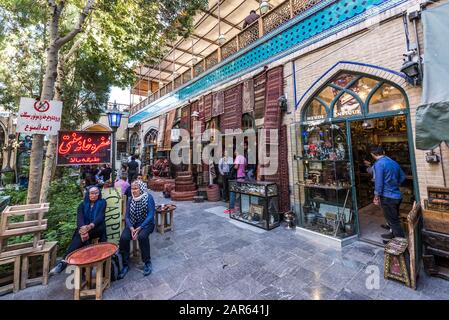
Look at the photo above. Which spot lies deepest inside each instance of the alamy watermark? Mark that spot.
(210, 146)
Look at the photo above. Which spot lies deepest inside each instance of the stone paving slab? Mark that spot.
(210, 256)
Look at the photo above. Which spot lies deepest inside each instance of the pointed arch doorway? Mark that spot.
(339, 122)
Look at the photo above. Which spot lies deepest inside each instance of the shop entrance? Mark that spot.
(339, 123)
(391, 133)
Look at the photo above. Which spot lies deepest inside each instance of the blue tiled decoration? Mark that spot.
(315, 24)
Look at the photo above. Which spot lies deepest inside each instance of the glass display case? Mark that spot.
(326, 189)
(256, 203)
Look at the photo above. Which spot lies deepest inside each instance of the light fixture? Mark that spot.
(264, 6)
(221, 39)
(411, 70)
(114, 118)
(282, 101)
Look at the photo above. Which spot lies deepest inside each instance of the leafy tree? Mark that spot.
(120, 34)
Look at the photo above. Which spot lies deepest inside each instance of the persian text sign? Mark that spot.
(83, 148)
(39, 117)
(113, 214)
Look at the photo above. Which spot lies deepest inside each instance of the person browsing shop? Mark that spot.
(224, 166)
(239, 167)
(388, 176)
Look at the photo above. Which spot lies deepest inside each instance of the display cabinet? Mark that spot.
(257, 202)
(326, 189)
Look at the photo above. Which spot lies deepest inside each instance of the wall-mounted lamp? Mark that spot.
(282, 101)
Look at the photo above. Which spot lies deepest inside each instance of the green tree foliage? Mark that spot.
(118, 36)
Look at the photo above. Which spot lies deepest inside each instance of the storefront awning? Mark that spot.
(432, 117)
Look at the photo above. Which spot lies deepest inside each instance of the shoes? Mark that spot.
(147, 269)
(59, 268)
(387, 236)
(385, 226)
(123, 273)
(229, 211)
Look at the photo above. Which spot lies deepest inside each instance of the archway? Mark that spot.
(134, 143)
(150, 147)
(97, 127)
(340, 120)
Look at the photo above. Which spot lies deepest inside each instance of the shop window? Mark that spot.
(151, 137)
(247, 122)
(387, 98)
(133, 143)
(343, 80)
(315, 111)
(361, 94)
(346, 106)
(328, 95)
(363, 87)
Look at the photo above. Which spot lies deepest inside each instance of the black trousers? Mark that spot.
(391, 211)
(144, 243)
(97, 232)
(225, 187)
(131, 175)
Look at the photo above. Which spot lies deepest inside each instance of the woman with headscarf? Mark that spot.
(139, 221)
(90, 224)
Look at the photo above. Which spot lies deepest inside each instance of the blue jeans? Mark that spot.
(231, 200)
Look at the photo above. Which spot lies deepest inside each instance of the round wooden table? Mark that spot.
(96, 256)
(162, 225)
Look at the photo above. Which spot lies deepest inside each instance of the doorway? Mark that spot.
(391, 133)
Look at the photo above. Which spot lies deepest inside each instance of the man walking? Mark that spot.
(224, 166)
(388, 176)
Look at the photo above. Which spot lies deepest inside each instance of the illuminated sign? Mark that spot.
(83, 148)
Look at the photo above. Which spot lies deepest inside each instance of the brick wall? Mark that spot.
(382, 45)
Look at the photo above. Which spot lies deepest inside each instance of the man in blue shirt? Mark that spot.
(388, 176)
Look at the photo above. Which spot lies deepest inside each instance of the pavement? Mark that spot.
(210, 256)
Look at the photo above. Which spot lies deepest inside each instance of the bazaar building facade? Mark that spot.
(328, 75)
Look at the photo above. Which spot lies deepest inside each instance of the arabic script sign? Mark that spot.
(83, 148)
(39, 117)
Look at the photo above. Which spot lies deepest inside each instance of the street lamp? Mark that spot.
(114, 118)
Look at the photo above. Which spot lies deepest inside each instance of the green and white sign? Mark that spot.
(113, 199)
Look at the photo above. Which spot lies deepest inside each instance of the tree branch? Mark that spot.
(82, 17)
(73, 49)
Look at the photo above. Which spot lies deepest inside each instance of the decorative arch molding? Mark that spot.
(97, 127)
(362, 68)
(152, 128)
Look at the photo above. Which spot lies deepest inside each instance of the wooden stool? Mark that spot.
(85, 260)
(16, 276)
(49, 260)
(161, 215)
(394, 262)
(135, 248)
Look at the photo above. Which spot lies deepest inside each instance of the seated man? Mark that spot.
(90, 224)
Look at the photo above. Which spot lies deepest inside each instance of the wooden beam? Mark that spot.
(223, 19)
(205, 39)
(185, 51)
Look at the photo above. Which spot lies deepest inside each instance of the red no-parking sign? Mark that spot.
(39, 116)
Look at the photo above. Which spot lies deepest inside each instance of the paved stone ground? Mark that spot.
(210, 256)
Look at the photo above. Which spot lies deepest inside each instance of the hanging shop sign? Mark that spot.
(83, 148)
(39, 117)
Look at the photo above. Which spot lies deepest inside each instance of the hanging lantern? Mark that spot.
(221, 39)
(264, 6)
